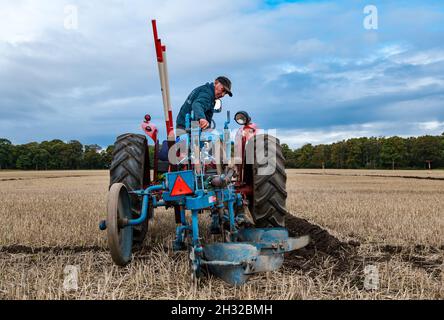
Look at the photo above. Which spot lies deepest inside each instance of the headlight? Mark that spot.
(242, 118)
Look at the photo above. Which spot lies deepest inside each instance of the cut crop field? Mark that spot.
(387, 225)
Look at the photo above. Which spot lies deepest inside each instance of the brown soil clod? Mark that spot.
(321, 239)
(323, 247)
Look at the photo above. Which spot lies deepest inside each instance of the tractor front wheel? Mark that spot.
(120, 237)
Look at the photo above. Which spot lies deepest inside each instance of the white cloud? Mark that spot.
(391, 50)
(420, 58)
(27, 21)
(81, 92)
(434, 126)
(308, 46)
(124, 102)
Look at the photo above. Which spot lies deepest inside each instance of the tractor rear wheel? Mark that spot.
(268, 179)
(130, 165)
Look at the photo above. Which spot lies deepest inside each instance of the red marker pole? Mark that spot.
(164, 85)
(170, 130)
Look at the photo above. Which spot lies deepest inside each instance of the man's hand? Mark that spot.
(203, 123)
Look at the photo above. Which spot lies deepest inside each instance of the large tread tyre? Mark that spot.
(130, 165)
(267, 203)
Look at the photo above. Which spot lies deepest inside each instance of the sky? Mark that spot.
(315, 71)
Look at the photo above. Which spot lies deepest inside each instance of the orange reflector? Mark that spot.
(180, 187)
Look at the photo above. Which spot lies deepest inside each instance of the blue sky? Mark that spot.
(306, 68)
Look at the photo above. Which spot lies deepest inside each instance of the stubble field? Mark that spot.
(391, 222)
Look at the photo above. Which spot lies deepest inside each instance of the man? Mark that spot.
(201, 100)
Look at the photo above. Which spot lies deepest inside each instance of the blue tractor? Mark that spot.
(240, 184)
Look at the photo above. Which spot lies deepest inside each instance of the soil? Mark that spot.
(53, 250)
(344, 255)
(324, 248)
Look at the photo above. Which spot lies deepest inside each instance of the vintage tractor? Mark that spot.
(195, 173)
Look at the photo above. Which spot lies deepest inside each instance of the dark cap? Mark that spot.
(226, 84)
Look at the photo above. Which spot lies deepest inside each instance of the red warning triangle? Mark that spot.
(180, 187)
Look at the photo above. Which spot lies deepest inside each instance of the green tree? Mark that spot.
(25, 154)
(338, 154)
(24, 162)
(354, 154)
(290, 159)
(428, 148)
(72, 155)
(5, 154)
(92, 159)
(393, 151)
(305, 156)
(107, 156)
(57, 151)
(40, 159)
(321, 156)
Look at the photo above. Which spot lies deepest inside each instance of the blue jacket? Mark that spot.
(201, 101)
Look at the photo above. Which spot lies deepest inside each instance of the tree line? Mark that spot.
(53, 155)
(370, 153)
(355, 153)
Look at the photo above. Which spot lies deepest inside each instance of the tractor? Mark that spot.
(240, 184)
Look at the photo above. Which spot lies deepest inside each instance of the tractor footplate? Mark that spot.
(260, 250)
